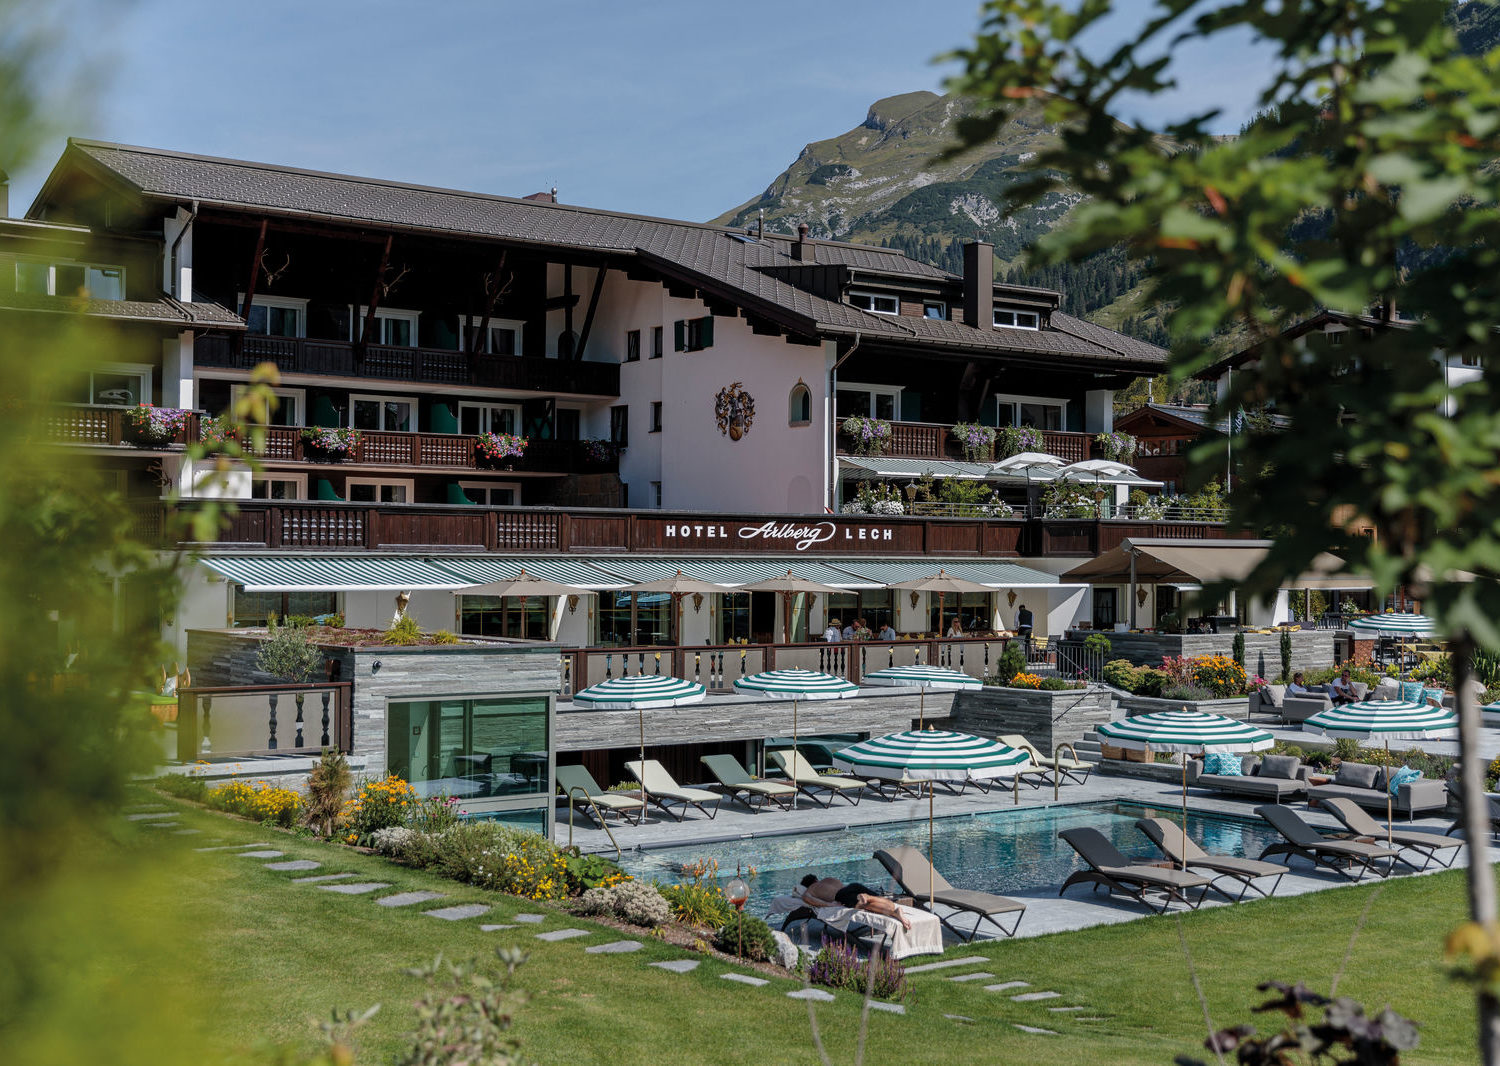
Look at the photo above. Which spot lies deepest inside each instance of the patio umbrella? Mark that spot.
(524, 587)
(1388, 720)
(788, 587)
(1397, 625)
(1490, 712)
(922, 678)
(796, 685)
(636, 693)
(677, 587)
(1188, 732)
(942, 583)
(931, 755)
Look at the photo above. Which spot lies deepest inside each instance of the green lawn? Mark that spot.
(274, 957)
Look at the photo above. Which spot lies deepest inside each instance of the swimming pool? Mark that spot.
(1009, 852)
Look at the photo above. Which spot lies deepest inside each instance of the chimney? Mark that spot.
(979, 284)
(802, 248)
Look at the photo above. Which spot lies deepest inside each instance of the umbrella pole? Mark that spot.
(794, 748)
(1389, 832)
(640, 712)
(931, 886)
(922, 707)
(1184, 810)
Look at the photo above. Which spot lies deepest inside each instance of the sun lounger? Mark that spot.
(736, 781)
(927, 888)
(1111, 870)
(584, 794)
(1169, 840)
(1358, 821)
(865, 928)
(663, 790)
(807, 780)
(1494, 813)
(1337, 855)
(1050, 768)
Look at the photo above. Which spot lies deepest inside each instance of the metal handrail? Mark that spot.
(1056, 770)
(597, 814)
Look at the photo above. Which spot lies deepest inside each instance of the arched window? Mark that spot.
(799, 405)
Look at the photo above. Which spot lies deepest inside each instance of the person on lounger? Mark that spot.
(831, 892)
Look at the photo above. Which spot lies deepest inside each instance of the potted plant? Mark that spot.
(1013, 440)
(330, 444)
(868, 436)
(599, 452)
(1116, 446)
(978, 442)
(151, 427)
(499, 449)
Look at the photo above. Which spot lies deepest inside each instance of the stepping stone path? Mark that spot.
(817, 995)
(1065, 1010)
(618, 947)
(357, 889)
(892, 1008)
(1006, 986)
(1034, 1029)
(1029, 997)
(232, 847)
(496, 928)
(319, 879)
(980, 976)
(678, 965)
(531, 918)
(945, 964)
(744, 979)
(149, 816)
(406, 899)
(959, 1017)
(459, 913)
(562, 934)
(160, 825)
(186, 832)
(294, 864)
(261, 854)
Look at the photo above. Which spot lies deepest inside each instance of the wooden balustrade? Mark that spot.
(934, 440)
(105, 424)
(254, 720)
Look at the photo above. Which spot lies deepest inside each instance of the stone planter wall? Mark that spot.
(1047, 719)
(1237, 707)
(1311, 649)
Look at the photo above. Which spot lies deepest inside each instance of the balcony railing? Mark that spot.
(103, 424)
(932, 440)
(305, 355)
(257, 720)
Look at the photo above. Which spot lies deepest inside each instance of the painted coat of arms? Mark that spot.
(735, 409)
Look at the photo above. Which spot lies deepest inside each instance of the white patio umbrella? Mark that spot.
(788, 588)
(1394, 625)
(796, 685)
(923, 678)
(942, 583)
(636, 693)
(677, 587)
(1188, 732)
(1386, 720)
(931, 755)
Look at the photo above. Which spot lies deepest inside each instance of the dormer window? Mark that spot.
(879, 303)
(1010, 318)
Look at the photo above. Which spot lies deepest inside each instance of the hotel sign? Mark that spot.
(780, 536)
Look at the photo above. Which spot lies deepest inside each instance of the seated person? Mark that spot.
(955, 630)
(1342, 689)
(1299, 688)
(887, 632)
(831, 892)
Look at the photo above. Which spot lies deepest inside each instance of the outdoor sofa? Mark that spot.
(1274, 777)
(1273, 700)
(1365, 784)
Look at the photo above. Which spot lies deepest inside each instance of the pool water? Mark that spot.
(1008, 852)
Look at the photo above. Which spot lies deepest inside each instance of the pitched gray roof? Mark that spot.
(165, 311)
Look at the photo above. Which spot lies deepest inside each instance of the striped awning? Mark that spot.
(884, 466)
(1190, 731)
(639, 691)
(796, 685)
(1385, 720)
(933, 677)
(720, 571)
(931, 755)
(330, 573)
(478, 569)
(878, 573)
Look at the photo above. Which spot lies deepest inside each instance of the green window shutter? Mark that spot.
(679, 336)
(708, 332)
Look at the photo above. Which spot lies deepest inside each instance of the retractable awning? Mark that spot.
(883, 466)
(480, 569)
(721, 571)
(877, 573)
(1197, 562)
(330, 573)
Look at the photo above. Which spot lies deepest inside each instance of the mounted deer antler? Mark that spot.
(272, 275)
(388, 287)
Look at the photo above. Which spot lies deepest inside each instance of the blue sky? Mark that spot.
(664, 107)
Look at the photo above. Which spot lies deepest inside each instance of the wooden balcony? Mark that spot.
(304, 355)
(932, 440)
(103, 424)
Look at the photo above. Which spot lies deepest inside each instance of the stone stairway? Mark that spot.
(1088, 747)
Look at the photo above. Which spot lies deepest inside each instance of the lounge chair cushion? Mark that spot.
(1356, 774)
(1280, 767)
(1221, 763)
(1249, 764)
(1401, 777)
(1273, 694)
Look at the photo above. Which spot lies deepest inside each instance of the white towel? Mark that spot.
(925, 937)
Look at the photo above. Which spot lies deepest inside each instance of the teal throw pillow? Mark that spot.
(1226, 763)
(1433, 694)
(1411, 691)
(1403, 776)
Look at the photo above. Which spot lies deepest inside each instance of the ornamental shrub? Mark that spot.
(1151, 682)
(328, 791)
(262, 802)
(377, 805)
(1187, 693)
(746, 936)
(1012, 661)
(1237, 648)
(1219, 674)
(434, 814)
(838, 965)
(1024, 680)
(404, 631)
(1121, 674)
(636, 902)
(698, 904)
(287, 653)
(1286, 654)
(591, 871)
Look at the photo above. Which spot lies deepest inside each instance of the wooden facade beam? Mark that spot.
(260, 248)
(588, 317)
(497, 289)
(385, 261)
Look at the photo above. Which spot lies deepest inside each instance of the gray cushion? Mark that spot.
(1249, 765)
(1273, 694)
(1281, 767)
(1356, 774)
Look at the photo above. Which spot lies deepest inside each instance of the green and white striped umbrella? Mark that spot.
(1490, 712)
(1196, 732)
(1385, 720)
(931, 755)
(640, 691)
(1394, 625)
(933, 677)
(796, 685)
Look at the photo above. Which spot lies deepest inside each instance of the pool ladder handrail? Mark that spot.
(1057, 774)
(598, 814)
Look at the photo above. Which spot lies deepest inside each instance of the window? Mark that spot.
(256, 608)
(656, 416)
(648, 623)
(397, 329)
(656, 494)
(501, 337)
(288, 409)
(633, 346)
(119, 384)
(397, 414)
(489, 494)
(1009, 318)
(799, 405)
(1471, 359)
(279, 487)
(693, 334)
(974, 612)
(374, 490)
(1038, 412)
(656, 342)
(567, 423)
(528, 618)
(71, 279)
(476, 418)
(872, 401)
(1336, 339)
(880, 303)
(934, 309)
(477, 747)
(276, 316)
(619, 426)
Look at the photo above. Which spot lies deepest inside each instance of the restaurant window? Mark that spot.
(633, 346)
(255, 609)
(619, 426)
(648, 622)
(505, 616)
(656, 341)
(1037, 412)
(734, 617)
(276, 316)
(799, 405)
(693, 334)
(1007, 318)
(1106, 602)
(877, 302)
(975, 612)
(471, 747)
(656, 416)
(71, 279)
(843, 606)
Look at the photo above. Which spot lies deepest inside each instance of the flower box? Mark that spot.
(151, 427)
(332, 445)
(499, 449)
(867, 436)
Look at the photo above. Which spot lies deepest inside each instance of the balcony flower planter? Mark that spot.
(330, 445)
(1013, 440)
(602, 454)
(153, 427)
(498, 451)
(868, 436)
(1119, 447)
(978, 442)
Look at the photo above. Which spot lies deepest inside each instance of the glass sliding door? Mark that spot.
(471, 748)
